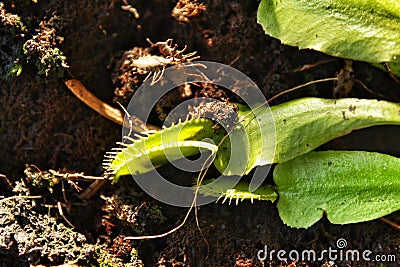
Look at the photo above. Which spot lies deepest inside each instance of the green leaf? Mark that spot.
(149, 152)
(301, 126)
(349, 186)
(367, 30)
(304, 124)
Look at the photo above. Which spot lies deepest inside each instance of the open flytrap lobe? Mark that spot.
(144, 153)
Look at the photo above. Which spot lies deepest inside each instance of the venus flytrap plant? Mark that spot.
(369, 181)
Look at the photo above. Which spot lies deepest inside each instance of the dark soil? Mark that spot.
(44, 124)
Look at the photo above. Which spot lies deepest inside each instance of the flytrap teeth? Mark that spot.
(120, 144)
(112, 153)
(131, 139)
(227, 197)
(220, 196)
(238, 198)
(138, 136)
(231, 194)
(224, 200)
(108, 156)
(109, 171)
(149, 132)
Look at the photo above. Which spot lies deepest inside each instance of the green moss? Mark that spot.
(12, 33)
(42, 49)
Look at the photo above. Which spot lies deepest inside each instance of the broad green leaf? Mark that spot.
(148, 152)
(301, 126)
(349, 186)
(367, 30)
(304, 124)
